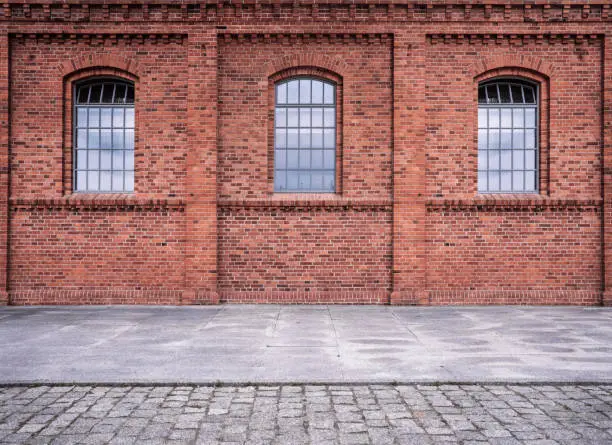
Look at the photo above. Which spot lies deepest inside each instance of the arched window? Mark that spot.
(104, 136)
(305, 135)
(507, 136)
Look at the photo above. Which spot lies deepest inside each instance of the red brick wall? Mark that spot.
(407, 224)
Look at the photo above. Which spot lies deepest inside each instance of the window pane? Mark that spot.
(317, 159)
(517, 94)
(518, 118)
(129, 117)
(305, 138)
(304, 117)
(506, 181)
(117, 181)
(504, 93)
(330, 117)
(83, 94)
(129, 139)
(518, 160)
(280, 159)
(293, 88)
(530, 118)
(482, 159)
(105, 181)
(482, 139)
(107, 93)
(117, 138)
(119, 93)
(304, 159)
(329, 159)
(280, 118)
(506, 139)
(94, 117)
(292, 180)
(482, 181)
(328, 93)
(329, 137)
(93, 181)
(82, 138)
(329, 182)
(506, 160)
(316, 181)
(529, 138)
(493, 160)
(517, 181)
(482, 98)
(94, 96)
(129, 181)
(530, 160)
(317, 138)
(492, 94)
(118, 117)
(93, 139)
(494, 118)
(81, 181)
(482, 118)
(280, 139)
(292, 138)
(279, 180)
(292, 159)
(304, 91)
(304, 181)
(129, 160)
(529, 95)
(117, 159)
(317, 117)
(506, 118)
(82, 159)
(129, 98)
(493, 181)
(493, 139)
(106, 140)
(105, 117)
(292, 117)
(82, 117)
(317, 92)
(105, 160)
(93, 159)
(281, 93)
(518, 139)
(530, 181)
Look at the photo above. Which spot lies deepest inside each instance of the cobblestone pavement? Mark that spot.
(374, 414)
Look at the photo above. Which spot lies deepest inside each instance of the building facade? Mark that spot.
(403, 152)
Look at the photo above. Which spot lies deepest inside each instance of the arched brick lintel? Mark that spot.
(520, 63)
(312, 60)
(103, 61)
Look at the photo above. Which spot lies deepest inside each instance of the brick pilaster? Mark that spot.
(607, 172)
(201, 207)
(409, 187)
(4, 164)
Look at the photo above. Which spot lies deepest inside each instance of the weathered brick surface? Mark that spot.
(407, 77)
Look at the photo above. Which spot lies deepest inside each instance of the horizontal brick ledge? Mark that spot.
(120, 202)
(513, 202)
(383, 204)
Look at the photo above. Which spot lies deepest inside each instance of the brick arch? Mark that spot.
(519, 62)
(94, 61)
(315, 60)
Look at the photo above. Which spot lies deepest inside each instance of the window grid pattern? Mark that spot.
(104, 137)
(305, 136)
(507, 138)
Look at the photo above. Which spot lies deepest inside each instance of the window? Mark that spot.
(507, 137)
(305, 136)
(104, 136)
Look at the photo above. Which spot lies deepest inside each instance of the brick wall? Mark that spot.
(406, 225)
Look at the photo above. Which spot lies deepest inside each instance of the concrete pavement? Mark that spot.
(271, 343)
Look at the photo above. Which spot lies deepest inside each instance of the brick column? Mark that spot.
(201, 185)
(4, 164)
(409, 188)
(607, 172)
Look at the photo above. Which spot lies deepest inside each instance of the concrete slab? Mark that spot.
(327, 344)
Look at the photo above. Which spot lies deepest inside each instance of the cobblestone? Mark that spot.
(311, 414)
